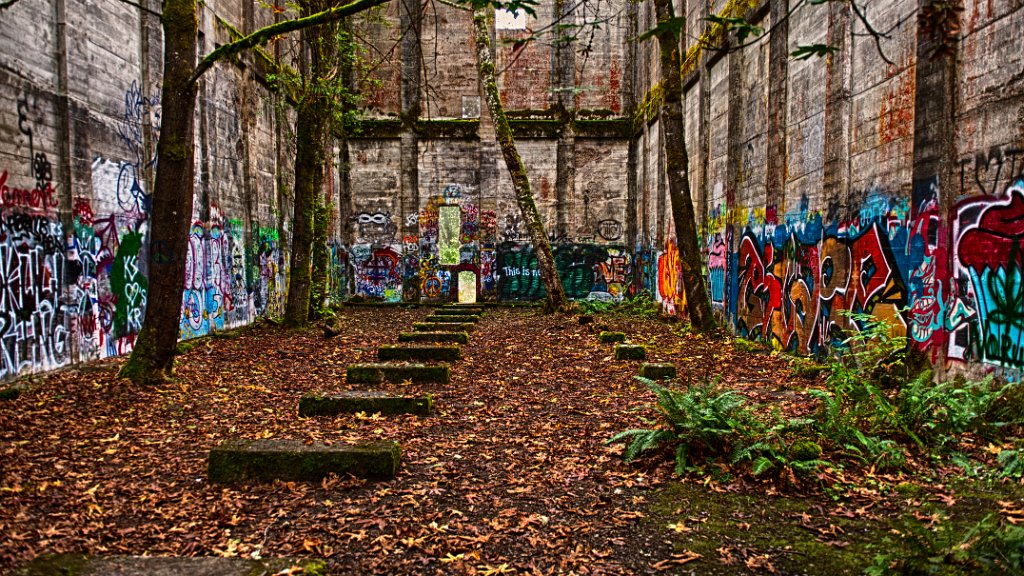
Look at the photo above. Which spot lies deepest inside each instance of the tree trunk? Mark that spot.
(152, 358)
(313, 128)
(556, 301)
(698, 303)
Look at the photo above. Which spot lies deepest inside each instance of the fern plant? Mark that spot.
(698, 421)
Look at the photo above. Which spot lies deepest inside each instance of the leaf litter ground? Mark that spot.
(510, 475)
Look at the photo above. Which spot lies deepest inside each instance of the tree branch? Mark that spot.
(264, 35)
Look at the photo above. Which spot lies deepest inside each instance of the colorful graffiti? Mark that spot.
(378, 271)
(587, 271)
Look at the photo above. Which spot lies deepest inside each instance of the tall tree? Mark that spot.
(483, 21)
(313, 128)
(152, 359)
(698, 302)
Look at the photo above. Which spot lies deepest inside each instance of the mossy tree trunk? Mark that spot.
(483, 21)
(153, 356)
(152, 359)
(698, 302)
(313, 128)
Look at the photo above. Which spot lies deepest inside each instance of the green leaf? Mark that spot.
(805, 52)
(740, 26)
(674, 26)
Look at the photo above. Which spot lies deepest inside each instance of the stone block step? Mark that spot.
(656, 371)
(609, 337)
(452, 319)
(442, 327)
(459, 312)
(630, 352)
(315, 404)
(422, 353)
(294, 461)
(398, 373)
(458, 337)
(83, 565)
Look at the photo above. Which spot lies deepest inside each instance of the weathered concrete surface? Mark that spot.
(467, 311)
(443, 327)
(452, 318)
(423, 353)
(398, 373)
(81, 565)
(658, 371)
(316, 404)
(610, 337)
(630, 352)
(293, 460)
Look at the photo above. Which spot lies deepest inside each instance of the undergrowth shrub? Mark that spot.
(641, 305)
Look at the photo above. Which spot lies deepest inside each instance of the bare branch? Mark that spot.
(264, 35)
(872, 32)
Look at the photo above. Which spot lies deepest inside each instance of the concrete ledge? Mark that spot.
(459, 311)
(658, 371)
(609, 337)
(452, 318)
(442, 327)
(398, 373)
(458, 337)
(314, 404)
(82, 565)
(630, 352)
(440, 353)
(292, 460)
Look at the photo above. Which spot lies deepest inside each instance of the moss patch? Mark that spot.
(442, 327)
(11, 392)
(82, 565)
(314, 404)
(292, 460)
(423, 353)
(658, 371)
(398, 373)
(459, 312)
(630, 352)
(610, 337)
(459, 337)
(452, 318)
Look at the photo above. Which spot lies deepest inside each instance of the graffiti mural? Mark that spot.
(378, 271)
(588, 271)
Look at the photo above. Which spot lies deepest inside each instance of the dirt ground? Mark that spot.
(511, 473)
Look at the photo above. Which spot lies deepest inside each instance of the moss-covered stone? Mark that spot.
(293, 460)
(805, 451)
(459, 312)
(443, 327)
(11, 392)
(630, 352)
(458, 337)
(750, 346)
(314, 404)
(657, 371)
(82, 565)
(610, 337)
(423, 353)
(452, 318)
(398, 373)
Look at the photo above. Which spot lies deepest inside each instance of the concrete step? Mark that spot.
(458, 337)
(656, 371)
(630, 352)
(422, 353)
(609, 337)
(314, 404)
(452, 319)
(442, 327)
(398, 373)
(83, 565)
(294, 461)
(460, 310)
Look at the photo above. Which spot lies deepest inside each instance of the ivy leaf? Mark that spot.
(740, 26)
(674, 26)
(809, 51)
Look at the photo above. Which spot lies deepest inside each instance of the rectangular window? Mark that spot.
(449, 224)
(505, 20)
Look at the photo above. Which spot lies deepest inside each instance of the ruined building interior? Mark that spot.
(878, 179)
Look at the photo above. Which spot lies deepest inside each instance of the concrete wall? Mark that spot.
(879, 180)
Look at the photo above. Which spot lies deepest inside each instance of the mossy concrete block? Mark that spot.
(422, 353)
(294, 461)
(314, 404)
(630, 352)
(398, 373)
(459, 312)
(11, 391)
(609, 337)
(82, 565)
(658, 371)
(457, 337)
(452, 318)
(442, 327)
